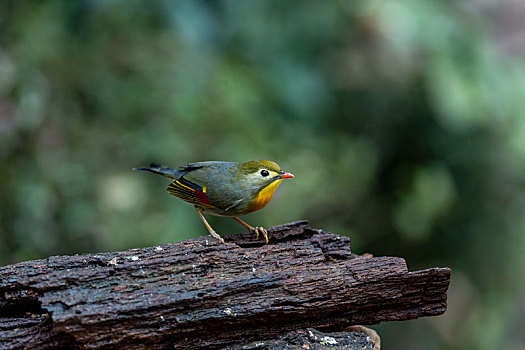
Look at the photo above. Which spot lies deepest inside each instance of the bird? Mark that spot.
(228, 189)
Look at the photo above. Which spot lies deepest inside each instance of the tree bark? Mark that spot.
(201, 293)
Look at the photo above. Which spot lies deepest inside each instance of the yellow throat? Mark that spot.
(265, 195)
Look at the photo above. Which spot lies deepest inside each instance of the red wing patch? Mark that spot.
(189, 192)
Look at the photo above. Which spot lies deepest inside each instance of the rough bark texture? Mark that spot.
(361, 339)
(201, 293)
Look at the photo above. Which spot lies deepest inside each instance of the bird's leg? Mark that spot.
(212, 232)
(262, 230)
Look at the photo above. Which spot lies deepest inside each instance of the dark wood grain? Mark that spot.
(201, 293)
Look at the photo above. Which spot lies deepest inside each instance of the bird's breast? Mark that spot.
(264, 196)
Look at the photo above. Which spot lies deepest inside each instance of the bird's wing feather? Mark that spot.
(189, 192)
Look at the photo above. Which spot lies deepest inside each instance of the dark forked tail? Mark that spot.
(161, 170)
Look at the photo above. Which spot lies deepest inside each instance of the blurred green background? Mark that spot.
(403, 122)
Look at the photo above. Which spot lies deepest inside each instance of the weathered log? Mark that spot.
(201, 293)
(359, 339)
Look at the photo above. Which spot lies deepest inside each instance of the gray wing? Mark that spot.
(230, 196)
(201, 172)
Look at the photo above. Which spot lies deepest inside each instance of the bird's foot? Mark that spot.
(216, 235)
(260, 230)
(257, 230)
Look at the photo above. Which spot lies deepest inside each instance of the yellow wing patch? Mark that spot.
(189, 192)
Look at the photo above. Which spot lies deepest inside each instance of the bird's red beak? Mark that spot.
(287, 175)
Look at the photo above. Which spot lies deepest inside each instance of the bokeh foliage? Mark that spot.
(403, 122)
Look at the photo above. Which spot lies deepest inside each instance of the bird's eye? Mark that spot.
(265, 172)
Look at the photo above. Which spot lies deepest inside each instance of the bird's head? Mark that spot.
(259, 174)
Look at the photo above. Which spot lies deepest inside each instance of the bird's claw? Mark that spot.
(216, 235)
(261, 230)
